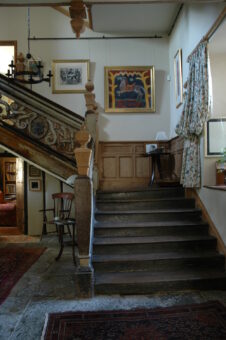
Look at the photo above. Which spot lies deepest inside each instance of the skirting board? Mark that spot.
(192, 193)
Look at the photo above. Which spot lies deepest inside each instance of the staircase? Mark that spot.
(153, 240)
(37, 129)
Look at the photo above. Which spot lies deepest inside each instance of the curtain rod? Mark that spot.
(99, 38)
(210, 33)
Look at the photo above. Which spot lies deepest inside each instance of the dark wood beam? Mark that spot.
(31, 4)
(103, 2)
(138, 2)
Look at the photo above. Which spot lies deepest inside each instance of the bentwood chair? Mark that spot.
(60, 213)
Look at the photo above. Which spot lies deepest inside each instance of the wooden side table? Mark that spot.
(155, 157)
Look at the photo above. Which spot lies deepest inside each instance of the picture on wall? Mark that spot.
(215, 137)
(34, 172)
(178, 78)
(35, 185)
(70, 76)
(130, 89)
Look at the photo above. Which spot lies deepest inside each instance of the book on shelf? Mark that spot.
(10, 189)
(10, 167)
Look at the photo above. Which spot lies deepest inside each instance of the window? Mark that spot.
(8, 52)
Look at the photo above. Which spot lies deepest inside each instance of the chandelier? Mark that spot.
(32, 74)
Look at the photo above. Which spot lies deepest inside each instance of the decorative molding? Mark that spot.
(77, 11)
(47, 130)
(192, 193)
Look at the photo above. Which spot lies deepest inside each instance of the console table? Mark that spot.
(155, 157)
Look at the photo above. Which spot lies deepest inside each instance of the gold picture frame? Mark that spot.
(70, 76)
(130, 89)
(178, 78)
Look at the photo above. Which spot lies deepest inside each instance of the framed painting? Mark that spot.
(130, 89)
(34, 172)
(178, 78)
(70, 76)
(35, 185)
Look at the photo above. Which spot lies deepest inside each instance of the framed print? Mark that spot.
(215, 137)
(178, 78)
(34, 172)
(130, 89)
(70, 76)
(35, 185)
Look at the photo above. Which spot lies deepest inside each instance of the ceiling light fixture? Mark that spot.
(32, 72)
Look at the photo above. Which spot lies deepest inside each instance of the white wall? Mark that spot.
(193, 24)
(46, 22)
(35, 203)
(218, 72)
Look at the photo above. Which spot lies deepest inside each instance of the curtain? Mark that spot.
(195, 113)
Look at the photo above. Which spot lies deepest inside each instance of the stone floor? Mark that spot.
(49, 286)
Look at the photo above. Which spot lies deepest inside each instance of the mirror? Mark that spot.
(215, 136)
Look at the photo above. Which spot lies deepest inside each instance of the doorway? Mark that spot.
(11, 194)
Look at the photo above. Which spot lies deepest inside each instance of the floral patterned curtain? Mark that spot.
(194, 115)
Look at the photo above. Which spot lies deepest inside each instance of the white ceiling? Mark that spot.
(134, 18)
(217, 44)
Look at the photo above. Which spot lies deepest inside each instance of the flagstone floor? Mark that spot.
(49, 286)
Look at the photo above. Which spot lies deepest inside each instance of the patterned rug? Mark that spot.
(202, 321)
(19, 239)
(14, 262)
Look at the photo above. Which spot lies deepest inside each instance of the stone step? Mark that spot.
(150, 229)
(142, 193)
(157, 262)
(154, 244)
(149, 282)
(121, 205)
(149, 215)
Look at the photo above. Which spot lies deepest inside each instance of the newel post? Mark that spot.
(83, 213)
(92, 125)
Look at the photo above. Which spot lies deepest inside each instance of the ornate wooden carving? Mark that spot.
(83, 154)
(78, 14)
(47, 130)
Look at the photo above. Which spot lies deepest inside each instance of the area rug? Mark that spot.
(19, 239)
(201, 321)
(14, 262)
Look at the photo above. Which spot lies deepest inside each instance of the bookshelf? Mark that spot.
(9, 177)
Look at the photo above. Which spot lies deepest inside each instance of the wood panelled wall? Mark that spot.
(123, 165)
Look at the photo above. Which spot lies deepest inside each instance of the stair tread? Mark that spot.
(148, 224)
(155, 256)
(144, 189)
(146, 211)
(148, 239)
(119, 200)
(149, 277)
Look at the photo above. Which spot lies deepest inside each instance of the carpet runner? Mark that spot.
(14, 262)
(201, 321)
